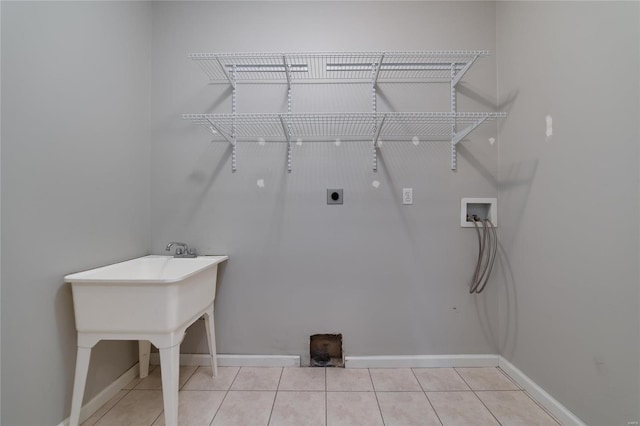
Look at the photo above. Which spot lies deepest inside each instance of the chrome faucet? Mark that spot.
(182, 250)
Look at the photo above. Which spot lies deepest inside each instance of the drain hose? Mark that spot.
(487, 250)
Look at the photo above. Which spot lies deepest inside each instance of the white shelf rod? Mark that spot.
(218, 131)
(375, 140)
(463, 133)
(288, 127)
(375, 144)
(463, 71)
(288, 137)
(378, 67)
(454, 150)
(287, 71)
(284, 128)
(233, 121)
(233, 83)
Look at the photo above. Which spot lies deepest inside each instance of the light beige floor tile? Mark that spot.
(132, 384)
(202, 380)
(138, 407)
(515, 408)
(394, 379)
(460, 408)
(348, 379)
(154, 379)
(106, 407)
(257, 378)
(298, 408)
(302, 379)
(406, 409)
(353, 409)
(440, 379)
(196, 408)
(242, 408)
(489, 378)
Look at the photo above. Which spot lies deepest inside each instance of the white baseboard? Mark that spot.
(561, 413)
(109, 392)
(418, 361)
(236, 360)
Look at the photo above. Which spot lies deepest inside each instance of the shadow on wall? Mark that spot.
(517, 205)
(482, 309)
(199, 177)
(509, 335)
(477, 165)
(66, 324)
(513, 180)
(222, 98)
(486, 100)
(505, 338)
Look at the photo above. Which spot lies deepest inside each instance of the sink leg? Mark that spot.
(82, 367)
(144, 351)
(211, 339)
(170, 370)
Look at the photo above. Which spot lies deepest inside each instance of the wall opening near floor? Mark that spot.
(326, 350)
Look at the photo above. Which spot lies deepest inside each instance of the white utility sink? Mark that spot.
(152, 299)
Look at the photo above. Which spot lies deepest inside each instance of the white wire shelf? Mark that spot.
(327, 67)
(340, 67)
(389, 126)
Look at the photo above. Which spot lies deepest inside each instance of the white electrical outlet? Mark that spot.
(407, 195)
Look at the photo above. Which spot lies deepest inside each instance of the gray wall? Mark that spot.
(569, 203)
(76, 84)
(75, 186)
(392, 278)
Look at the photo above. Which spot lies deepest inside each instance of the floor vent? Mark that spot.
(326, 350)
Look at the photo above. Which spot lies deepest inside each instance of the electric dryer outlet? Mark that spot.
(334, 196)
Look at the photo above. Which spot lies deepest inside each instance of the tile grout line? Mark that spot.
(159, 415)
(123, 396)
(541, 407)
(485, 406)
(462, 378)
(509, 378)
(427, 396)
(326, 403)
(180, 387)
(105, 413)
(276, 395)
(376, 395)
(225, 396)
(476, 395)
(521, 389)
(188, 378)
(518, 389)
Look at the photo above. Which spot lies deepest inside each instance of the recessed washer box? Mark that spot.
(484, 208)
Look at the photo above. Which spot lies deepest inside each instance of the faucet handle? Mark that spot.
(192, 252)
(179, 251)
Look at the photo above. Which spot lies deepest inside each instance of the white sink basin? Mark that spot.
(148, 269)
(149, 299)
(151, 294)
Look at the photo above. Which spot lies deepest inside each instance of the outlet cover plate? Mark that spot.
(407, 196)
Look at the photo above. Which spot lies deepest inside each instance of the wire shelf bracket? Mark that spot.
(458, 136)
(459, 74)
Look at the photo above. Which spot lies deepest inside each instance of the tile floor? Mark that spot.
(251, 396)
